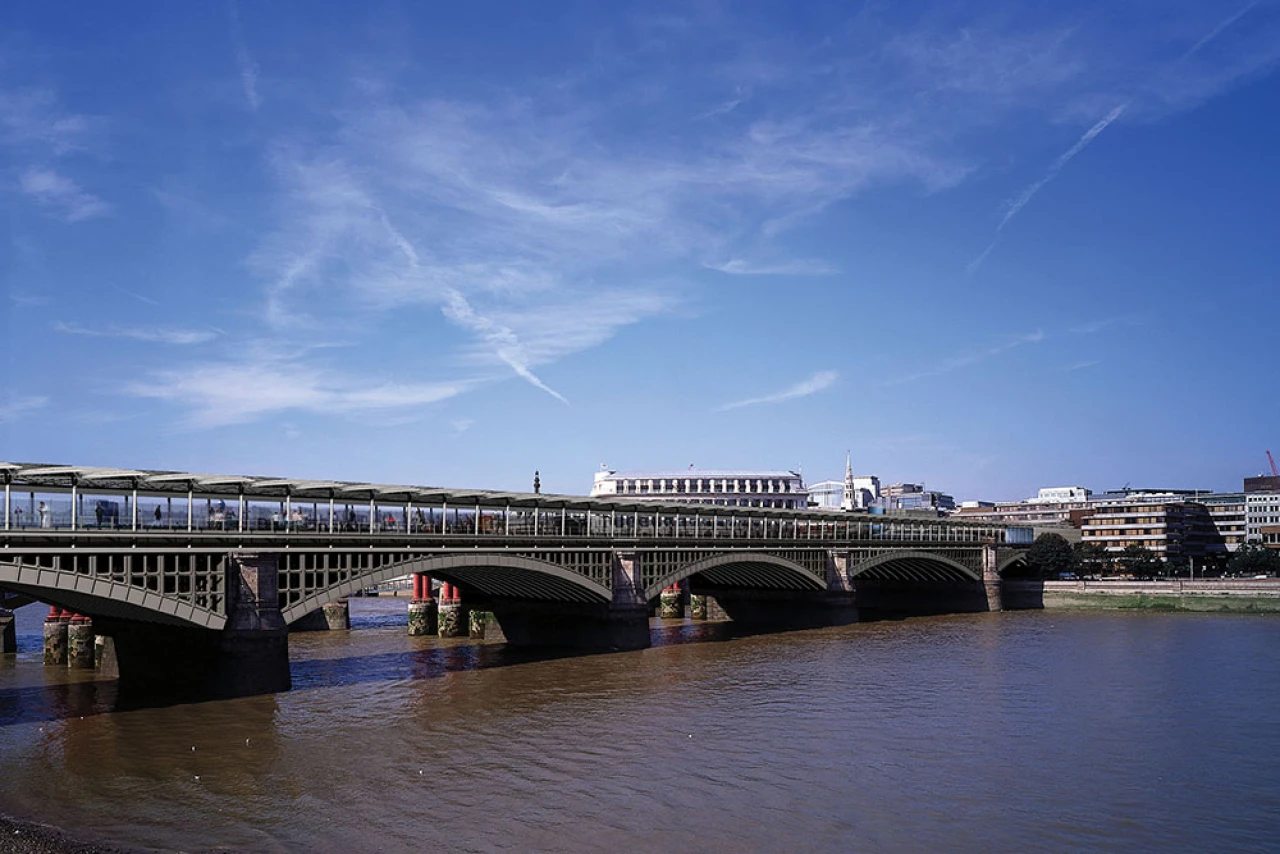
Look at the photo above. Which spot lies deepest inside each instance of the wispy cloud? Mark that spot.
(33, 119)
(965, 360)
(505, 217)
(27, 300)
(236, 392)
(146, 300)
(502, 339)
(461, 425)
(244, 63)
(1093, 327)
(155, 335)
(56, 191)
(740, 267)
(814, 384)
(16, 407)
(1080, 366)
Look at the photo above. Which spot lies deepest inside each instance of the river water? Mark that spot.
(1015, 731)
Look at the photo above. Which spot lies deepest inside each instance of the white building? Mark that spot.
(1261, 508)
(827, 495)
(778, 489)
(1060, 494)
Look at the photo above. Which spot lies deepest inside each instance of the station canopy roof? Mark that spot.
(88, 478)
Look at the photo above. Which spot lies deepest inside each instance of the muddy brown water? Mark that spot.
(1016, 731)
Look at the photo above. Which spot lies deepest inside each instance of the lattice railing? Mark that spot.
(192, 578)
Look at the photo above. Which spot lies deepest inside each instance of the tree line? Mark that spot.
(1052, 556)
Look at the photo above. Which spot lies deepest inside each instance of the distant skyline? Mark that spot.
(990, 247)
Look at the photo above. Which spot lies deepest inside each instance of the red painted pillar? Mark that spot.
(422, 609)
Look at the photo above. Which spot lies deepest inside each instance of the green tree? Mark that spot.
(1140, 562)
(1050, 556)
(1094, 559)
(1254, 559)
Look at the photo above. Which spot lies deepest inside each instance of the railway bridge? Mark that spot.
(198, 576)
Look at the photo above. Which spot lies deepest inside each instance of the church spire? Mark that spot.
(847, 503)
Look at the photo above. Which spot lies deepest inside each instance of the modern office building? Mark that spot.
(778, 489)
(1063, 505)
(1227, 510)
(1262, 483)
(1261, 508)
(1172, 530)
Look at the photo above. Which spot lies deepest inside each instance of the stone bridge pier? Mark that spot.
(250, 656)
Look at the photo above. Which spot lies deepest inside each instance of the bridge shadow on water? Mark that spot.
(437, 661)
(53, 701)
(27, 704)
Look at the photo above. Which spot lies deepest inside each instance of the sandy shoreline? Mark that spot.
(25, 837)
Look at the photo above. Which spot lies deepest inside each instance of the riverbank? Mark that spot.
(24, 837)
(1203, 596)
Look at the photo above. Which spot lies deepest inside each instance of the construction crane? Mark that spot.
(1272, 460)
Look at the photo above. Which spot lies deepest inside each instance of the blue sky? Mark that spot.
(991, 246)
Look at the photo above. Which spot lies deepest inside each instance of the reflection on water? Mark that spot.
(978, 732)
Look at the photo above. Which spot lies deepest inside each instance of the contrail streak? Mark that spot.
(1026, 195)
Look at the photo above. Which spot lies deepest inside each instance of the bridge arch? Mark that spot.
(914, 566)
(97, 596)
(1015, 561)
(743, 570)
(497, 575)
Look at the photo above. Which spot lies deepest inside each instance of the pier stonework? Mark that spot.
(991, 581)
(424, 613)
(104, 657)
(697, 606)
(671, 603)
(451, 617)
(55, 638)
(337, 615)
(80, 643)
(450, 620)
(476, 622)
(8, 634)
(423, 618)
